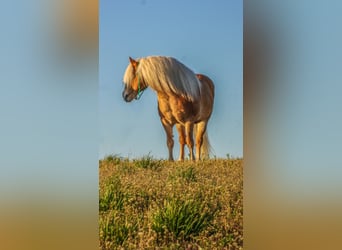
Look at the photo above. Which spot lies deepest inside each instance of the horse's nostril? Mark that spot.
(125, 96)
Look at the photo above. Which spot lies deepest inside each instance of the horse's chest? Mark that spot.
(176, 110)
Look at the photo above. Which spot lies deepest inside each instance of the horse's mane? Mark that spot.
(166, 74)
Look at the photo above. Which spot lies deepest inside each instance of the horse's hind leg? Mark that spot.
(169, 137)
(189, 127)
(181, 134)
(201, 127)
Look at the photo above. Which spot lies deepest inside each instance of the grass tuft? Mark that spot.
(188, 174)
(112, 197)
(115, 229)
(114, 158)
(183, 218)
(147, 162)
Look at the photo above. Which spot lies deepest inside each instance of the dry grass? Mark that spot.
(153, 204)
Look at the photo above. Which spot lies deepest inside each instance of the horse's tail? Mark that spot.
(206, 148)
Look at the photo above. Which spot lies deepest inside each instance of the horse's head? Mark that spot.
(134, 84)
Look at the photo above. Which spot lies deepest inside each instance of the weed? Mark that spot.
(112, 197)
(188, 174)
(181, 218)
(115, 158)
(115, 230)
(227, 239)
(147, 162)
(141, 201)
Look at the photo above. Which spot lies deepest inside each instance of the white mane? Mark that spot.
(166, 74)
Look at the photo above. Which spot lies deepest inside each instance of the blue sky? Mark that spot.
(204, 35)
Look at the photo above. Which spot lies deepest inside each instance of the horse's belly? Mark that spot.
(181, 116)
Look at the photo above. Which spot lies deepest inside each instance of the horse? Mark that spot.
(185, 99)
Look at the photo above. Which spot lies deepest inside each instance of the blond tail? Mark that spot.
(206, 147)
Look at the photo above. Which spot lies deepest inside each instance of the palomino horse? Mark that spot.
(184, 99)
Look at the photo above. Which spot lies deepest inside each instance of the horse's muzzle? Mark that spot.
(127, 96)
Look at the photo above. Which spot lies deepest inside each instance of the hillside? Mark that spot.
(147, 204)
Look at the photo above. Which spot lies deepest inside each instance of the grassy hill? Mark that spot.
(155, 204)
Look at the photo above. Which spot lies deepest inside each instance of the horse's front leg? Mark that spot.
(169, 137)
(189, 127)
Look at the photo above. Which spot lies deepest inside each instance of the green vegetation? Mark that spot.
(112, 197)
(147, 162)
(188, 174)
(181, 218)
(115, 229)
(114, 158)
(154, 204)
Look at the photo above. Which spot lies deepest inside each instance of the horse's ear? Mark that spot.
(133, 62)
